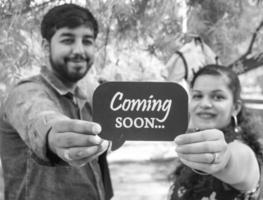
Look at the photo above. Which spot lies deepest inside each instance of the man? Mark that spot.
(50, 148)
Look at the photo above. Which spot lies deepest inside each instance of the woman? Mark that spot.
(221, 158)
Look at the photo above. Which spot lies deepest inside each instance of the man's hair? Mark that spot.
(67, 15)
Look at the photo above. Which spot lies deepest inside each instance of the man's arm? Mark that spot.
(29, 110)
(40, 122)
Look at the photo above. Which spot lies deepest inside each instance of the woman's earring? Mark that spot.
(237, 128)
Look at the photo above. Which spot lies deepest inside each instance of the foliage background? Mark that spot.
(141, 34)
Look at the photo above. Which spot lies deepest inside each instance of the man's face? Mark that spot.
(72, 53)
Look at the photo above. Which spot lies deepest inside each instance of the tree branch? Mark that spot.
(254, 36)
(107, 34)
(245, 62)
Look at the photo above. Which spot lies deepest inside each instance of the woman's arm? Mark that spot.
(242, 169)
(234, 163)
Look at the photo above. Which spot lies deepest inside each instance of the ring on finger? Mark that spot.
(66, 155)
(214, 155)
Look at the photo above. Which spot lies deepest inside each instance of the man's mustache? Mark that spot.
(77, 58)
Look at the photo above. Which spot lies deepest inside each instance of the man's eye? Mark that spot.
(87, 42)
(67, 41)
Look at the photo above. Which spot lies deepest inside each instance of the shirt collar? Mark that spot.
(59, 86)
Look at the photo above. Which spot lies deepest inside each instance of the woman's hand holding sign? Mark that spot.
(205, 150)
(76, 141)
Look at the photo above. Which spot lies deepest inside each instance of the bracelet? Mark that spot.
(200, 172)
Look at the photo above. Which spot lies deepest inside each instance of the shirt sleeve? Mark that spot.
(30, 109)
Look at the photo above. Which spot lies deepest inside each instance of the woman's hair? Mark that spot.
(249, 134)
(67, 15)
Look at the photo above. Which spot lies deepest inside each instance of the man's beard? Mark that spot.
(62, 72)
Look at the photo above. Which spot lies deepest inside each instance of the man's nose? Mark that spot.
(78, 48)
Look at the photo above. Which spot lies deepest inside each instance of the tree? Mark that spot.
(231, 28)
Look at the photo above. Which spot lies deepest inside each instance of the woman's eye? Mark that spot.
(196, 96)
(218, 97)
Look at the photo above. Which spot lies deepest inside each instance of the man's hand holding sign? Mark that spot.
(147, 111)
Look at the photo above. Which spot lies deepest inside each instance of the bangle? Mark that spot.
(200, 172)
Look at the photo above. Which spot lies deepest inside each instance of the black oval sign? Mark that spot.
(149, 111)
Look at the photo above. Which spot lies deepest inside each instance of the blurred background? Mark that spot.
(136, 40)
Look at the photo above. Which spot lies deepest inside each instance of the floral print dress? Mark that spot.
(189, 185)
(192, 186)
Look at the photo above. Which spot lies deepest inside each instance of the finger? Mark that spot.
(204, 167)
(83, 162)
(80, 153)
(206, 135)
(102, 148)
(206, 158)
(66, 155)
(202, 147)
(92, 154)
(75, 125)
(105, 145)
(69, 140)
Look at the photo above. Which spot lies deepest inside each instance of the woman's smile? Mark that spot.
(206, 115)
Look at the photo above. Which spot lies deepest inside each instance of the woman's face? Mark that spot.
(211, 104)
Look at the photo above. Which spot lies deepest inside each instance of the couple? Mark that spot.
(51, 149)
